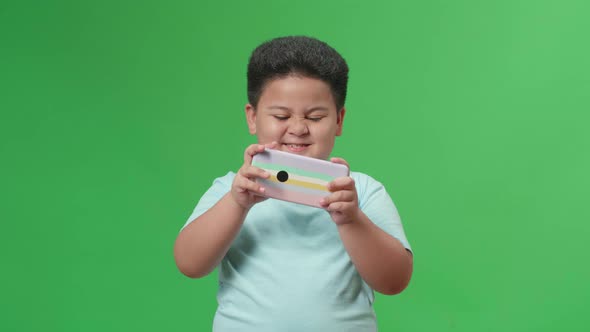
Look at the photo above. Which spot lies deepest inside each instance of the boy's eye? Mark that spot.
(280, 117)
(315, 119)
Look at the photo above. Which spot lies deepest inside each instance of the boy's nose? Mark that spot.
(298, 127)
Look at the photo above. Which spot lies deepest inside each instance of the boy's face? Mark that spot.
(299, 113)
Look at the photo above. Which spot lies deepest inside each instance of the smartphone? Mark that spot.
(296, 178)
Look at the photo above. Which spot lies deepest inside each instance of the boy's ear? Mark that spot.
(251, 118)
(340, 121)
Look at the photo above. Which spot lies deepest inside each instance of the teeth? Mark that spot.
(296, 145)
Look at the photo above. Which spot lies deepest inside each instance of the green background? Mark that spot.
(115, 117)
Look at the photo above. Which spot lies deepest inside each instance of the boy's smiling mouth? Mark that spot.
(293, 147)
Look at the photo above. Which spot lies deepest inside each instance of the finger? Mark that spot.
(335, 207)
(272, 145)
(341, 183)
(341, 161)
(244, 184)
(339, 196)
(252, 172)
(251, 151)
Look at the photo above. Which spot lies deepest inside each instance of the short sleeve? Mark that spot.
(376, 203)
(218, 189)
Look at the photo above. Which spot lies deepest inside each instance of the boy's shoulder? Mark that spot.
(363, 181)
(361, 176)
(225, 180)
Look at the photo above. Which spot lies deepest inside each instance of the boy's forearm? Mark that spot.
(201, 245)
(381, 260)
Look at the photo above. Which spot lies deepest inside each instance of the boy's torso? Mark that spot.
(288, 268)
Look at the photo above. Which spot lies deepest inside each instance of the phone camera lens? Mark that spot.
(282, 176)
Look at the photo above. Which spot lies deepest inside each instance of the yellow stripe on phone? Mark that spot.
(298, 183)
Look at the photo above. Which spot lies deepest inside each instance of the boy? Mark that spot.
(285, 266)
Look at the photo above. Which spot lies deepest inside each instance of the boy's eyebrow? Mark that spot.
(317, 108)
(284, 108)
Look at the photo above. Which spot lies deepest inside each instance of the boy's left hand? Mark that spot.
(342, 203)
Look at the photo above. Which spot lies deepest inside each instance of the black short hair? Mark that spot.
(297, 55)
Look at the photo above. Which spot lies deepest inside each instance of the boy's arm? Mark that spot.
(201, 245)
(382, 260)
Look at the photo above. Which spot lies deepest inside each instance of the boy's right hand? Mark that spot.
(244, 185)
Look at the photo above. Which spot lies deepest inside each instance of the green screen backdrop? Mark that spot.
(474, 114)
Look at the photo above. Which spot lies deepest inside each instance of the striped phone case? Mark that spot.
(296, 178)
